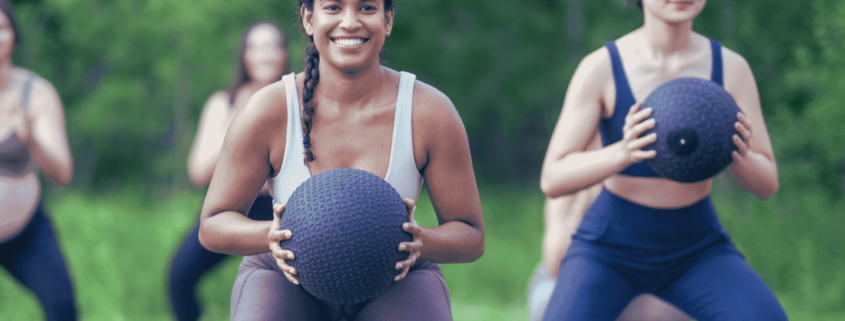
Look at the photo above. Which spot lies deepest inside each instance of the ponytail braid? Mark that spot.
(312, 78)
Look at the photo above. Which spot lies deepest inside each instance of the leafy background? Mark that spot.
(134, 75)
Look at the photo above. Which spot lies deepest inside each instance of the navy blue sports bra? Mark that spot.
(611, 128)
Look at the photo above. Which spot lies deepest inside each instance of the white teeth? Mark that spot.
(349, 42)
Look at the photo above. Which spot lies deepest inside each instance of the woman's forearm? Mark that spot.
(57, 166)
(580, 170)
(452, 242)
(757, 174)
(235, 234)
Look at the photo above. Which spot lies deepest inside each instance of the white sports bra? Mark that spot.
(402, 171)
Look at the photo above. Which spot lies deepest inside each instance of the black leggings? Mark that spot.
(34, 258)
(192, 261)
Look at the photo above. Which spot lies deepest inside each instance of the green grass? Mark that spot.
(118, 248)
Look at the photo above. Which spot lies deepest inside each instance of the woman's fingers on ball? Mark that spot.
(283, 265)
(279, 235)
(282, 254)
(411, 228)
(634, 108)
(410, 246)
(744, 120)
(291, 278)
(740, 144)
(641, 155)
(278, 208)
(402, 275)
(412, 258)
(743, 130)
(641, 115)
(641, 142)
(410, 204)
(643, 126)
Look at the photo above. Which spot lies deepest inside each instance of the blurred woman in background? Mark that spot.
(262, 60)
(32, 139)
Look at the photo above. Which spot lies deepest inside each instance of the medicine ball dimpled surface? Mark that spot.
(694, 124)
(346, 227)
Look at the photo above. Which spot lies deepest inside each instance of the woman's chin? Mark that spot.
(353, 65)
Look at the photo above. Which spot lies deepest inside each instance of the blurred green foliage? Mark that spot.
(134, 75)
(118, 248)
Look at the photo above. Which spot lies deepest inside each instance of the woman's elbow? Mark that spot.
(551, 190)
(198, 177)
(207, 242)
(65, 176)
(546, 186)
(476, 252)
(479, 250)
(771, 190)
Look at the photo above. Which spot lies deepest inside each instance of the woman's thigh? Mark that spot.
(422, 295)
(724, 287)
(264, 294)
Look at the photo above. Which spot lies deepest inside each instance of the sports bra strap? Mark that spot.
(27, 87)
(619, 77)
(716, 75)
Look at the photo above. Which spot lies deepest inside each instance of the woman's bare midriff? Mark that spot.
(657, 192)
(18, 199)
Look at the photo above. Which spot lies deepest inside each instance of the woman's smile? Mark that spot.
(348, 41)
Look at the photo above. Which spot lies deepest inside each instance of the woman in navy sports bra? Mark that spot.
(32, 139)
(643, 233)
(261, 60)
(354, 113)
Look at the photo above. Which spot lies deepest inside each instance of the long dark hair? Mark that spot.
(241, 75)
(312, 78)
(9, 11)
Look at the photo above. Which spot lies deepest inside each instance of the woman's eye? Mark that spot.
(369, 8)
(333, 8)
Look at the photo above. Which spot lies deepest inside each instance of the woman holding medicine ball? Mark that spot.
(643, 233)
(344, 110)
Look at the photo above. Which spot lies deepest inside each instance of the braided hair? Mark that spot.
(312, 78)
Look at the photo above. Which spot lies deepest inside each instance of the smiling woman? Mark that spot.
(354, 113)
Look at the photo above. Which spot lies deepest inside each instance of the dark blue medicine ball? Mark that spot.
(694, 124)
(346, 227)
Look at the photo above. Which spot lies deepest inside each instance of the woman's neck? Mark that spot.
(350, 89)
(664, 38)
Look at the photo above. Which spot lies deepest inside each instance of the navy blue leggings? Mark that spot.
(192, 261)
(34, 258)
(622, 249)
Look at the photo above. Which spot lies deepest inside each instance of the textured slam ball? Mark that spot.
(346, 226)
(694, 124)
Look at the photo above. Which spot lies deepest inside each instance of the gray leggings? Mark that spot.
(262, 292)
